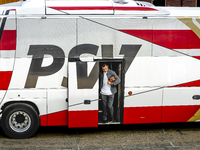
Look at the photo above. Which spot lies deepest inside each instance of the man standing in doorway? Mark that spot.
(108, 90)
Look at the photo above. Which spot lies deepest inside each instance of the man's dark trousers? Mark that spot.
(107, 100)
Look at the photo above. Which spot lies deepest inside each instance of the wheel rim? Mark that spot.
(20, 121)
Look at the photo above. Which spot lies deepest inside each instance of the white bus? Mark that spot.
(51, 52)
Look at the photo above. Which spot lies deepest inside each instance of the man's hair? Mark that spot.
(104, 65)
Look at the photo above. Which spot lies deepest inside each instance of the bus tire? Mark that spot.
(19, 120)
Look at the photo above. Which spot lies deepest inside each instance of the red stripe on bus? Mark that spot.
(58, 118)
(137, 115)
(172, 39)
(103, 8)
(81, 7)
(189, 84)
(121, 8)
(8, 40)
(159, 114)
(81, 119)
(5, 77)
(43, 120)
(132, 115)
(197, 57)
(178, 113)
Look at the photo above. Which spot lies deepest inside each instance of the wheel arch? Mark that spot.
(25, 102)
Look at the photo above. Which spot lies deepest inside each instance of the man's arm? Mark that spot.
(117, 81)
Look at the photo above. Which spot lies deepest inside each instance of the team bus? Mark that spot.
(51, 53)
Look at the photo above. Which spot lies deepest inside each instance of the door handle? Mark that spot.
(196, 97)
(87, 101)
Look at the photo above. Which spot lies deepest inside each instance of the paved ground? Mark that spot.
(154, 136)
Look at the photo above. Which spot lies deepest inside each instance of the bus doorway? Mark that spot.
(117, 67)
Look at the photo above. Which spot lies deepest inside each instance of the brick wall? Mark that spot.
(184, 3)
(173, 3)
(189, 3)
(177, 3)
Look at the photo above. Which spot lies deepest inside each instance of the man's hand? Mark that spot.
(109, 82)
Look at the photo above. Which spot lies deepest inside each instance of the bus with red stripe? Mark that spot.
(51, 53)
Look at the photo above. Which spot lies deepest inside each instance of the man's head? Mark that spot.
(105, 68)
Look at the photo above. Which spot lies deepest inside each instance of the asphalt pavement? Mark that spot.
(178, 136)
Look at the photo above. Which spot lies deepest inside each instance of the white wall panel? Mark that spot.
(160, 51)
(180, 96)
(56, 100)
(6, 64)
(143, 97)
(168, 23)
(2, 92)
(191, 52)
(10, 24)
(162, 71)
(60, 32)
(36, 96)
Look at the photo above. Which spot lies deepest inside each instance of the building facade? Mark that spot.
(176, 3)
(183, 3)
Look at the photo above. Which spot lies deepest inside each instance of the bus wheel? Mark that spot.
(19, 121)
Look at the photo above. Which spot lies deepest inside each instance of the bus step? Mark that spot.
(109, 123)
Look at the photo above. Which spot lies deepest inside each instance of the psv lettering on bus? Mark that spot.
(38, 51)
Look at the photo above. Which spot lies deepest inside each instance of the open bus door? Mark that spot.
(118, 103)
(83, 94)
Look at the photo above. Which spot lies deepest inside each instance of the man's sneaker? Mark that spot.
(111, 120)
(104, 121)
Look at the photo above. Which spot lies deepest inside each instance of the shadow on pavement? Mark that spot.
(112, 128)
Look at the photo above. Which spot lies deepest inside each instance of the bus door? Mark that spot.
(118, 104)
(83, 94)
